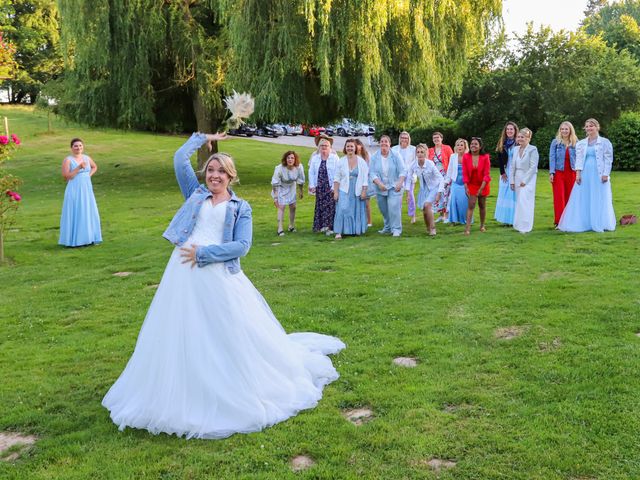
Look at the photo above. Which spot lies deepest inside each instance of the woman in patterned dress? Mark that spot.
(287, 178)
(439, 155)
(322, 168)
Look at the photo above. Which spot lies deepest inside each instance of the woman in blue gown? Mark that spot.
(506, 201)
(590, 205)
(350, 193)
(458, 200)
(80, 220)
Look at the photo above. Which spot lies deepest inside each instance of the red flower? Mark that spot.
(15, 139)
(14, 195)
(4, 139)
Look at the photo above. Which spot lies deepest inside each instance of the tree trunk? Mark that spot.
(205, 125)
(207, 121)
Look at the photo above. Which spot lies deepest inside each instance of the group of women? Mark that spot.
(211, 359)
(453, 181)
(579, 172)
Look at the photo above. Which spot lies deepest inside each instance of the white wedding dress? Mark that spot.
(211, 359)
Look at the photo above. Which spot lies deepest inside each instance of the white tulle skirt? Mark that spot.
(211, 360)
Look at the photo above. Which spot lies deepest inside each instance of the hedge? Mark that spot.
(624, 134)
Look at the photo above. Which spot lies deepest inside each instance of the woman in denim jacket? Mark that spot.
(211, 359)
(590, 206)
(562, 167)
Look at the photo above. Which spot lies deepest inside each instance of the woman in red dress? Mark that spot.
(476, 169)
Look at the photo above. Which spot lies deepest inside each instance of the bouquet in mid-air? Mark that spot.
(241, 106)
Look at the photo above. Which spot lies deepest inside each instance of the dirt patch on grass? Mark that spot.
(122, 274)
(454, 408)
(408, 362)
(437, 464)
(13, 445)
(551, 346)
(509, 333)
(358, 416)
(551, 275)
(301, 462)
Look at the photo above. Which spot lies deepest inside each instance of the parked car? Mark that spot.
(294, 129)
(281, 127)
(244, 129)
(370, 129)
(360, 129)
(269, 131)
(329, 130)
(313, 130)
(345, 128)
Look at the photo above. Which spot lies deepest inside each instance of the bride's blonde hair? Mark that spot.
(227, 163)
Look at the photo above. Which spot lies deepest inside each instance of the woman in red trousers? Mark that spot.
(562, 167)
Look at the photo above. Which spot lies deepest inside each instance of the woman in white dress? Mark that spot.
(431, 185)
(288, 177)
(522, 176)
(211, 360)
(407, 154)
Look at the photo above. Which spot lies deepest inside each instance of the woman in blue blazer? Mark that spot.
(387, 172)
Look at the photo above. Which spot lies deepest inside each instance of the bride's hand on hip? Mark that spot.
(188, 255)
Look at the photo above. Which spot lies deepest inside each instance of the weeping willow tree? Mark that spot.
(145, 64)
(166, 64)
(379, 60)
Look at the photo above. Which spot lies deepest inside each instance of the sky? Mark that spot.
(558, 14)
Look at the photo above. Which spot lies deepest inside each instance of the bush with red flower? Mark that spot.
(10, 200)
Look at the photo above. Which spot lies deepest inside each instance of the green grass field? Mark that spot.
(559, 401)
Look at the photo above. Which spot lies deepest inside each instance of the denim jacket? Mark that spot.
(236, 238)
(556, 156)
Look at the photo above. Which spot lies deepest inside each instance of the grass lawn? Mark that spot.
(559, 401)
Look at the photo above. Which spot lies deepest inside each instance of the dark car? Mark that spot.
(244, 129)
(269, 131)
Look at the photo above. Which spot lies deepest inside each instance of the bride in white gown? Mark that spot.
(211, 359)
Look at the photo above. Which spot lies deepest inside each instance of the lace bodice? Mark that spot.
(209, 224)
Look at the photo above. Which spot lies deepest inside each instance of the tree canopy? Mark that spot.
(377, 60)
(163, 65)
(32, 26)
(549, 77)
(7, 62)
(618, 24)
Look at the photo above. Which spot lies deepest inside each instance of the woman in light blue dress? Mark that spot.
(350, 191)
(590, 205)
(458, 200)
(506, 201)
(80, 220)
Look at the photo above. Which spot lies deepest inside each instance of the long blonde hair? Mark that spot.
(573, 138)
